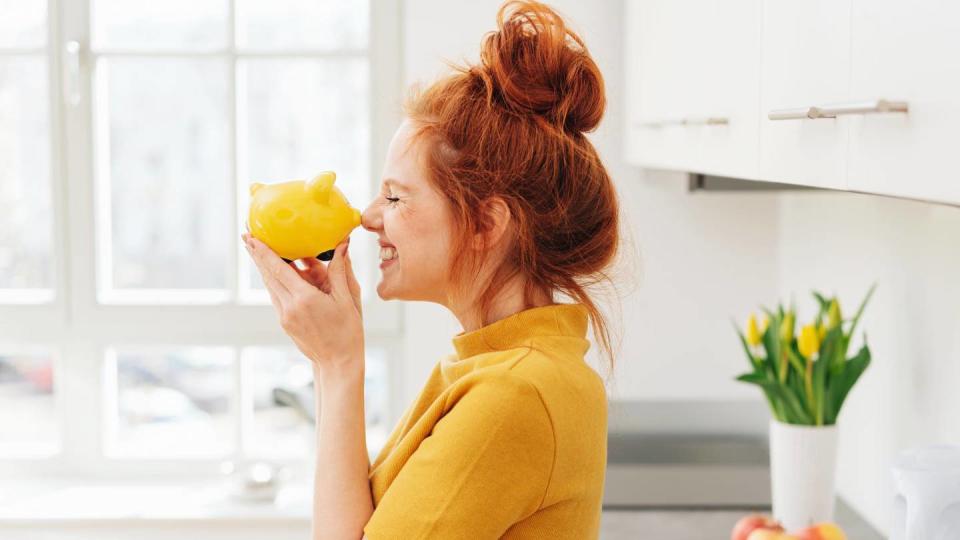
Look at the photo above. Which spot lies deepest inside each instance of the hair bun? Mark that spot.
(533, 63)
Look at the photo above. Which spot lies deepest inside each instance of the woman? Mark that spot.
(493, 203)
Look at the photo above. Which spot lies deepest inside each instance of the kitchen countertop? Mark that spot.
(705, 523)
(203, 507)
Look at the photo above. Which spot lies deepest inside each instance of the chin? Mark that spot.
(385, 292)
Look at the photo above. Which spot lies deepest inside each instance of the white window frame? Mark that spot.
(80, 328)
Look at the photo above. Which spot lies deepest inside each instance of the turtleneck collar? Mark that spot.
(517, 329)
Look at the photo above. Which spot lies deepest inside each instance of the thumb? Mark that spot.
(337, 272)
(352, 282)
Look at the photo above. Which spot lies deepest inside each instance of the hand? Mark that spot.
(319, 307)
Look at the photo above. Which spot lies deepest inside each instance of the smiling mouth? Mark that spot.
(387, 253)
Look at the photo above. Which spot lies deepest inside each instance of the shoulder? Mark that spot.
(500, 390)
(560, 376)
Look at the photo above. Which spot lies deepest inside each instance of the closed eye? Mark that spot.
(393, 200)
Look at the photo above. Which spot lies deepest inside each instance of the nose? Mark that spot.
(372, 218)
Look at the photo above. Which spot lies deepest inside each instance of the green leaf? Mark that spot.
(819, 381)
(759, 379)
(856, 318)
(833, 350)
(795, 384)
(796, 360)
(793, 405)
(822, 300)
(789, 406)
(746, 346)
(840, 386)
(771, 342)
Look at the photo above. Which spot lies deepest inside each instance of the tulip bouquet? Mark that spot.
(805, 378)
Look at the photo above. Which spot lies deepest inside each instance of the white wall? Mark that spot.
(702, 258)
(909, 396)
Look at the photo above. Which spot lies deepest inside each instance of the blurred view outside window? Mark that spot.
(26, 246)
(280, 407)
(173, 403)
(189, 102)
(27, 408)
(185, 106)
(179, 402)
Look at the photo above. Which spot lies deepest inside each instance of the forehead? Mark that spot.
(403, 168)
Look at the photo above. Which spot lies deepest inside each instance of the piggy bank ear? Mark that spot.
(254, 187)
(319, 187)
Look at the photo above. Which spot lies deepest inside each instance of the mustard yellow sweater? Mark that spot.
(507, 439)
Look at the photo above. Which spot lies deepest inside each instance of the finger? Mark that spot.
(352, 280)
(337, 270)
(316, 273)
(268, 285)
(279, 270)
(275, 287)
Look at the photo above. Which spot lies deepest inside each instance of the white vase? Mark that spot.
(803, 463)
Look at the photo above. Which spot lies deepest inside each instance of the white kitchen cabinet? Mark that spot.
(908, 51)
(858, 95)
(693, 85)
(805, 62)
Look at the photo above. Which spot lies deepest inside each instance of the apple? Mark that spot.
(770, 534)
(748, 524)
(822, 531)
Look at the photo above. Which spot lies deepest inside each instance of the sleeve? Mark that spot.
(486, 465)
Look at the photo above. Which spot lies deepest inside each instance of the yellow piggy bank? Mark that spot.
(300, 219)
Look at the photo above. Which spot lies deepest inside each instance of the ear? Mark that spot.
(319, 186)
(495, 220)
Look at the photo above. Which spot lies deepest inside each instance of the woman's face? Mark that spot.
(413, 223)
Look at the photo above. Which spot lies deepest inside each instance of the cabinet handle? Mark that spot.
(838, 109)
(689, 121)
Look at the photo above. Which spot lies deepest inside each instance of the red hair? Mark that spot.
(513, 127)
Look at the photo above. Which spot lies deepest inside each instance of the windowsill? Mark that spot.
(64, 503)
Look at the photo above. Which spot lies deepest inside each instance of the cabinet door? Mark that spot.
(692, 74)
(906, 51)
(805, 63)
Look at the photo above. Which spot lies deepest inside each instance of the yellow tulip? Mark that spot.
(786, 327)
(822, 332)
(809, 342)
(834, 313)
(764, 325)
(753, 333)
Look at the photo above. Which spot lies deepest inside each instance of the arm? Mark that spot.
(320, 309)
(342, 501)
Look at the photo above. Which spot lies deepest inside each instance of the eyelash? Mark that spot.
(393, 200)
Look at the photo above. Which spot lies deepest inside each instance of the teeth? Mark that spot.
(387, 253)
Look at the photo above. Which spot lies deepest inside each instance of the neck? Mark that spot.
(507, 301)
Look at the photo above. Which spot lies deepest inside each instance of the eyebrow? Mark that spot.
(395, 182)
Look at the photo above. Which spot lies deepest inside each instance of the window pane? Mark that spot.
(27, 409)
(148, 24)
(23, 23)
(279, 393)
(279, 402)
(376, 398)
(168, 170)
(173, 403)
(317, 120)
(25, 222)
(302, 24)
